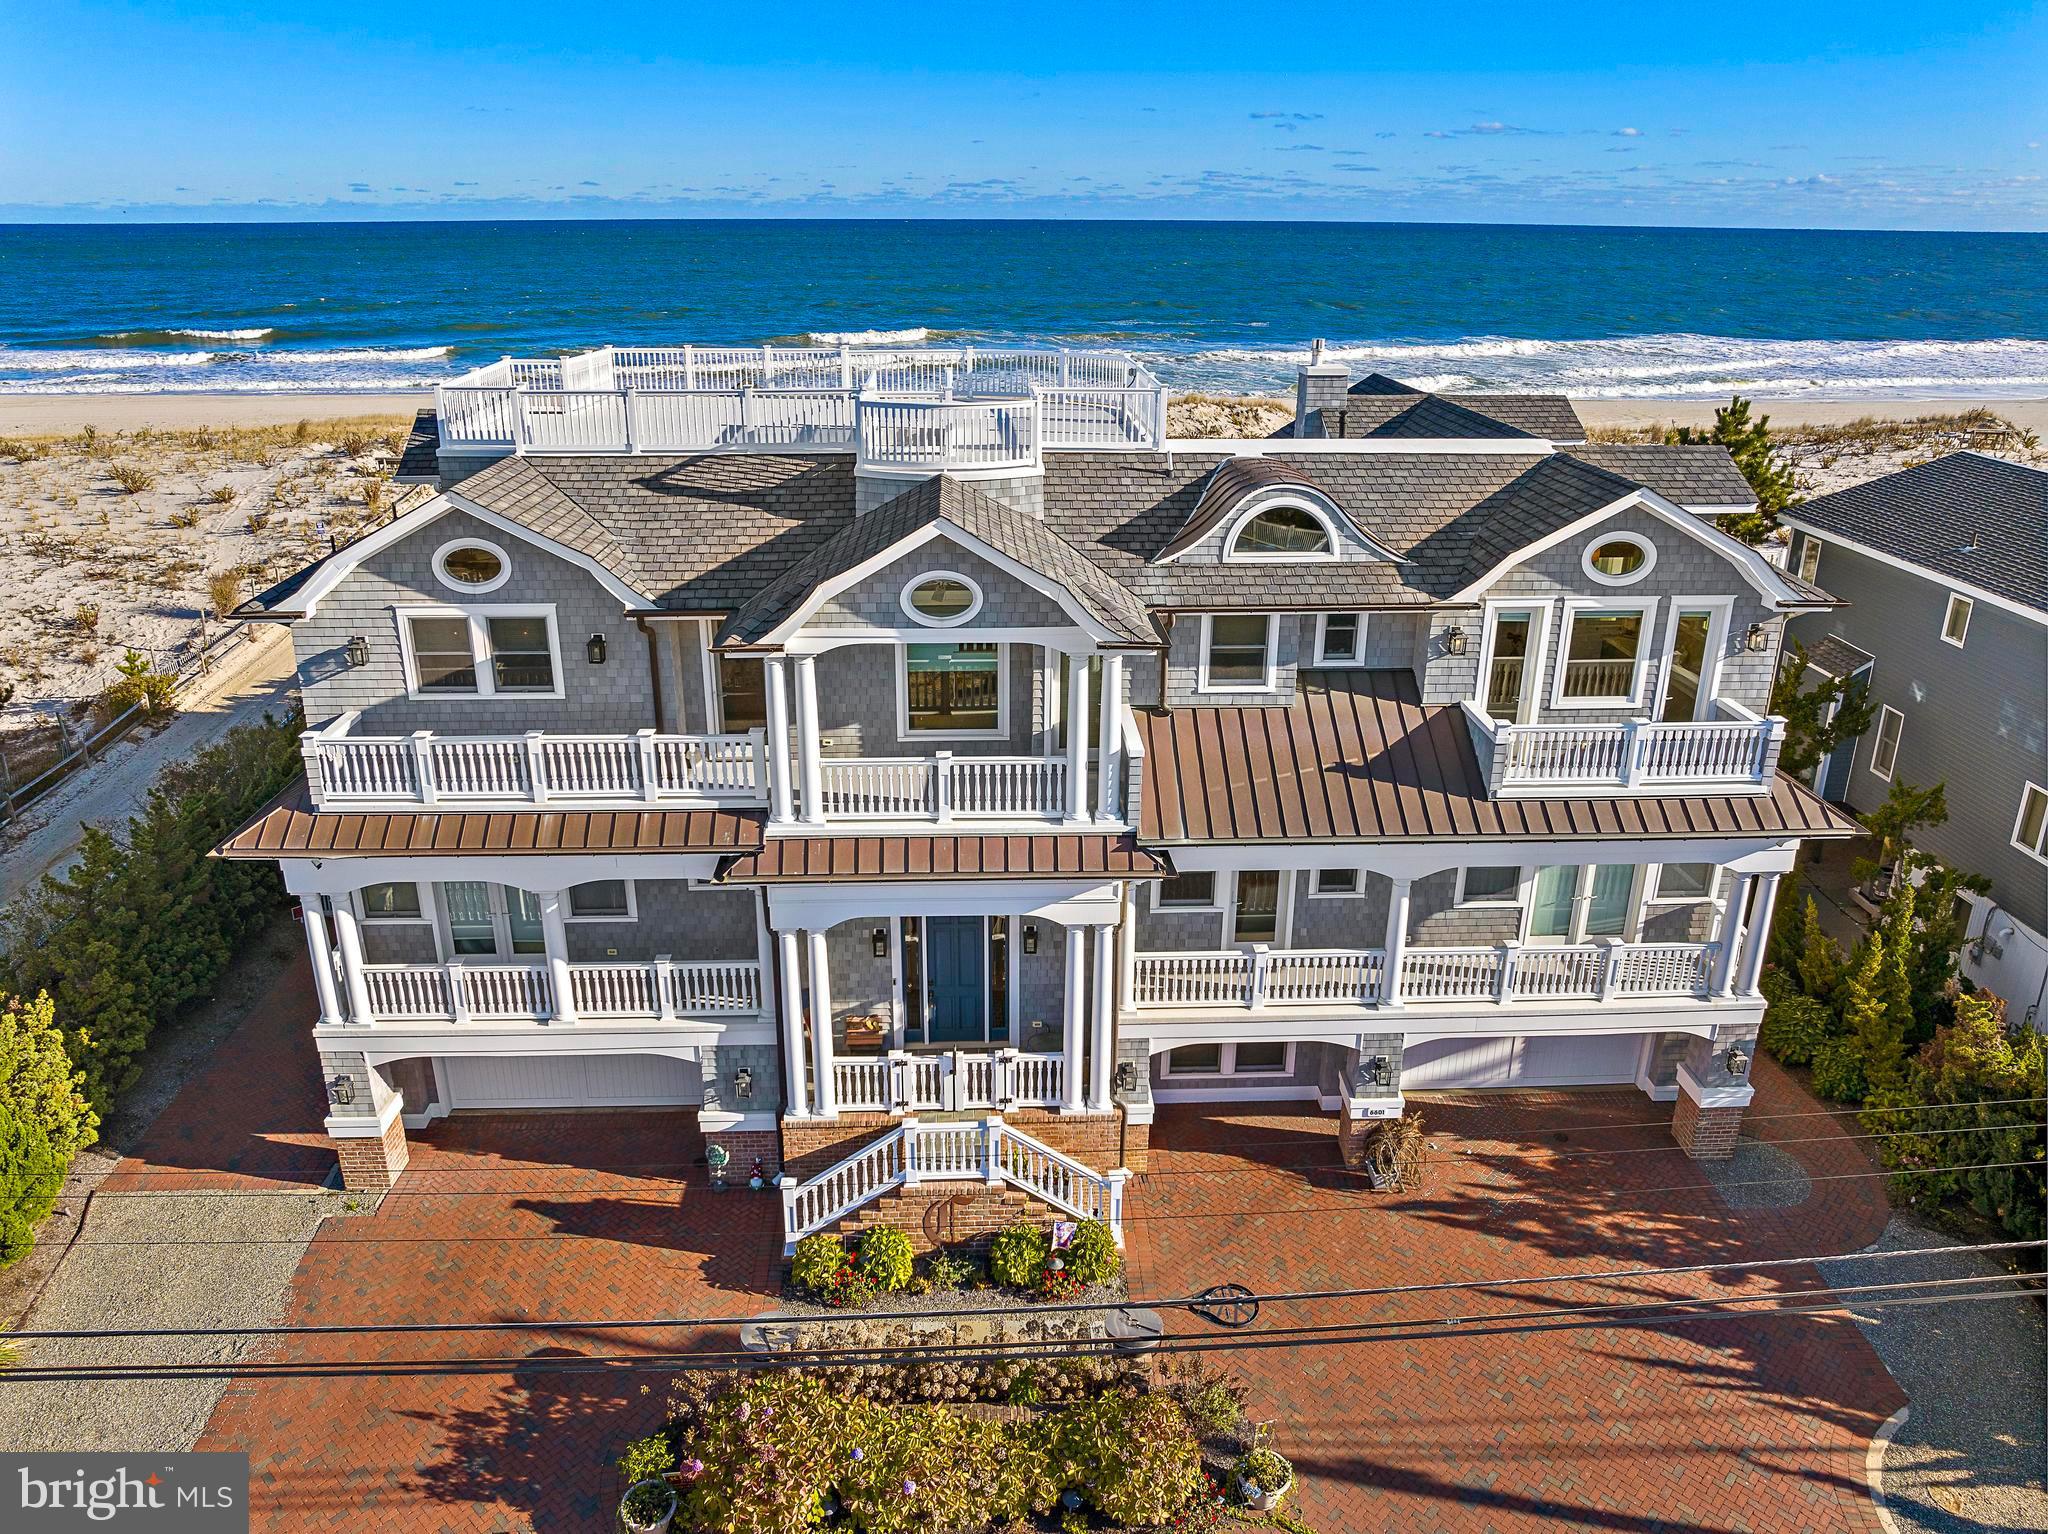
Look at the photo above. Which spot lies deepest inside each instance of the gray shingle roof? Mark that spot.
(1697, 474)
(944, 499)
(1376, 398)
(1229, 483)
(419, 461)
(1966, 516)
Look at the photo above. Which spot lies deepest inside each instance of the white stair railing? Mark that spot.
(988, 1151)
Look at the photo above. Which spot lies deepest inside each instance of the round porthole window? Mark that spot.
(472, 565)
(1618, 559)
(942, 599)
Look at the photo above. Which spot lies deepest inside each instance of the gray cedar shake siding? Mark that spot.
(1975, 718)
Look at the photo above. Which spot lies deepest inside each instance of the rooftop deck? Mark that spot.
(920, 410)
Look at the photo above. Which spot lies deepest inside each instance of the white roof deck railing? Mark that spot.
(1734, 752)
(959, 409)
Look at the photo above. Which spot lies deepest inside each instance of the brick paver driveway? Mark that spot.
(1732, 1425)
(1726, 1425)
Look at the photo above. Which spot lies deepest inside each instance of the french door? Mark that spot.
(492, 921)
(1575, 902)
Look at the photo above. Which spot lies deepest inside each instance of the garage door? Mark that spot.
(571, 1081)
(1594, 1060)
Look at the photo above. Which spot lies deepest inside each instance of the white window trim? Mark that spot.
(1654, 889)
(1212, 905)
(1317, 892)
(1357, 658)
(1266, 684)
(1877, 742)
(479, 649)
(364, 913)
(2036, 853)
(1539, 646)
(631, 913)
(1809, 558)
(1721, 617)
(466, 588)
(1969, 609)
(1281, 502)
(1226, 1065)
(1496, 902)
(1647, 606)
(925, 620)
(906, 734)
(1601, 540)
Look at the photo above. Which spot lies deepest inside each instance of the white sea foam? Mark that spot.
(917, 335)
(253, 333)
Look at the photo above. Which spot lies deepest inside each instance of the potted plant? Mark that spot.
(648, 1507)
(1263, 1478)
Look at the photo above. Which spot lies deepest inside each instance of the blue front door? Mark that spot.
(953, 969)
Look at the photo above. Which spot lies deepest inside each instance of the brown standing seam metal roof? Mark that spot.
(862, 859)
(1358, 758)
(290, 827)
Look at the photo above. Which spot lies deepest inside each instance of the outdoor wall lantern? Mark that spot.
(743, 1083)
(1738, 1062)
(357, 652)
(593, 648)
(1378, 1070)
(1454, 642)
(341, 1091)
(1755, 640)
(881, 941)
(1031, 937)
(1127, 1076)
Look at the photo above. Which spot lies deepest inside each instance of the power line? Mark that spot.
(1176, 1302)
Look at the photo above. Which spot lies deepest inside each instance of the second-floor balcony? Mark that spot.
(959, 410)
(1736, 751)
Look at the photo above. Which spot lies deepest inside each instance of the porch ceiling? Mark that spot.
(289, 826)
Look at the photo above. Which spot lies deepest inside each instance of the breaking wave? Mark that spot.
(232, 370)
(916, 335)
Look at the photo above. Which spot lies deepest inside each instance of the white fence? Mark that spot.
(1738, 752)
(959, 1080)
(1278, 977)
(535, 768)
(987, 1152)
(459, 992)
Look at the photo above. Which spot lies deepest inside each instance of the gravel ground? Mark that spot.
(156, 1260)
(1759, 1176)
(1973, 1452)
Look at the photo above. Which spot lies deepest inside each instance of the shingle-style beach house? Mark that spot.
(923, 765)
(1944, 567)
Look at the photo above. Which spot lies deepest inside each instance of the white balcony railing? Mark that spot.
(1735, 753)
(903, 1081)
(1258, 978)
(944, 787)
(568, 771)
(907, 410)
(660, 989)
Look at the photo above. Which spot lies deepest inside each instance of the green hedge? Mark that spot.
(146, 922)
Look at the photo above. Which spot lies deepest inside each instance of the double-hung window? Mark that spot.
(1340, 639)
(1602, 657)
(1884, 754)
(481, 653)
(1237, 652)
(2030, 830)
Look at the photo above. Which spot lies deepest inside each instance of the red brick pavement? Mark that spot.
(1728, 1425)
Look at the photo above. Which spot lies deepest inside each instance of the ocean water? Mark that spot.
(1624, 313)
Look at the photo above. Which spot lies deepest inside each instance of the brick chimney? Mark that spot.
(1319, 386)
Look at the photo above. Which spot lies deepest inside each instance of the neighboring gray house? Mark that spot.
(1944, 568)
(821, 740)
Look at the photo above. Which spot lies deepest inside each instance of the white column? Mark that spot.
(807, 745)
(1077, 736)
(1731, 935)
(1108, 737)
(1102, 1041)
(776, 674)
(1070, 1036)
(821, 1026)
(1397, 940)
(353, 984)
(556, 935)
(1759, 935)
(789, 990)
(313, 912)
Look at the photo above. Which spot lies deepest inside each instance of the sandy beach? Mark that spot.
(34, 414)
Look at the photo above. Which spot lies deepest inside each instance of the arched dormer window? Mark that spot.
(1286, 530)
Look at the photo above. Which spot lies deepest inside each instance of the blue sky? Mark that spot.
(1834, 115)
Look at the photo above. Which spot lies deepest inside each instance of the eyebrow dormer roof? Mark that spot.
(1231, 484)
